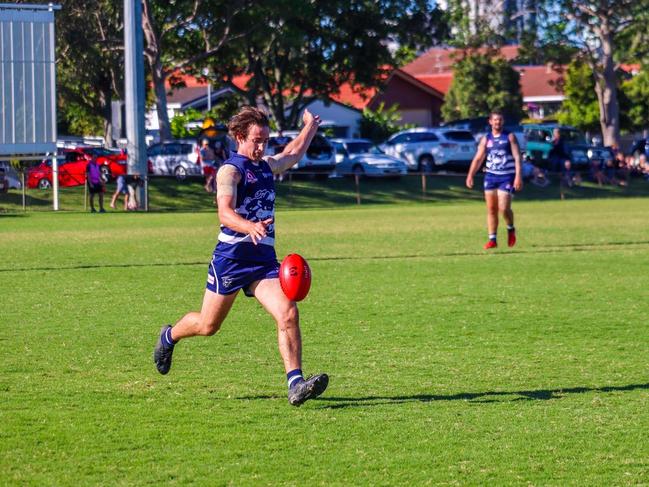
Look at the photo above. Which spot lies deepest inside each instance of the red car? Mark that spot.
(72, 167)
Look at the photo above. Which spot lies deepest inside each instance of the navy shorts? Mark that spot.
(498, 182)
(225, 276)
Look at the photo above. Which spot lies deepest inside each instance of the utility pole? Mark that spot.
(135, 96)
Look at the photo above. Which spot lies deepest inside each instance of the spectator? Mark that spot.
(95, 185)
(622, 169)
(122, 188)
(557, 155)
(208, 156)
(610, 172)
(596, 173)
(569, 178)
(534, 174)
(134, 182)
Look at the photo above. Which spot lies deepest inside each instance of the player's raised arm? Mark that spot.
(295, 149)
(476, 162)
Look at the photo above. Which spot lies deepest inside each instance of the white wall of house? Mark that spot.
(338, 115)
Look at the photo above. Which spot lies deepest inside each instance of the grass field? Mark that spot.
(448, 365)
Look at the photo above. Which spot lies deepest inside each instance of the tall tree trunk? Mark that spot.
(159, 78)
(606, 88)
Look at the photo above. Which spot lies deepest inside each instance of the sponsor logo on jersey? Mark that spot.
(250, 177)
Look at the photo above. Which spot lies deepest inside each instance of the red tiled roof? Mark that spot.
(541, 80)
(440, 82)
(441, 59)
(354, 96)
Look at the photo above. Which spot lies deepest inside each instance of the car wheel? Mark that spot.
(180, 172)
(426, 163)
(358, 170)
(106, 176)
(44, 184)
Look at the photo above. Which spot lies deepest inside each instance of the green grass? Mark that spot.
(448, 365)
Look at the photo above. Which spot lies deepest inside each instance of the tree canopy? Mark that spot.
(483, 82)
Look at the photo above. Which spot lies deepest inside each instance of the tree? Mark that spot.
(89, 66)
(483, 82)
(379, 124)
(636, 90)
(580, 108)
(594, 26)
(299, 51)
(180, 34)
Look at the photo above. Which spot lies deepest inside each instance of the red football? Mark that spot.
(295, 277)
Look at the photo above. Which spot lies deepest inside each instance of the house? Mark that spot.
(432, 72)
(340, 113)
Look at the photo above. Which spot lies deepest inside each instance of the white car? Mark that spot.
(179, 158)
(362, 157)
(10, 178)
(426, 149)
(319, 157)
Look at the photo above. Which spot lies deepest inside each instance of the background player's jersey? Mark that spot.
(500, 159)
(255, 202)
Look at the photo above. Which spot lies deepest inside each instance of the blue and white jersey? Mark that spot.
(255, 202)
(500, 159)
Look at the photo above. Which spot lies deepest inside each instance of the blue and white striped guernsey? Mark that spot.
(255, 202)
(500, 160)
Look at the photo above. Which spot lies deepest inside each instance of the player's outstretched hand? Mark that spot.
(308, 117)
(258, 230)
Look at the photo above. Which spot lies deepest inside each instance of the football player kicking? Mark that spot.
(244, 257)
(502, 179)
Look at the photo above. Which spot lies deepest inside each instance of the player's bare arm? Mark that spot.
(227, 179)
(294, 150)
(476, 162)
(516, 152)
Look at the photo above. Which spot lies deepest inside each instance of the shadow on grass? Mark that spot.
(475, 397)
(557, 248)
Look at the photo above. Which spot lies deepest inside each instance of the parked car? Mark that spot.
(112, 162)
(479, 127)
(319, 157)
(360, 156)
(640, 147)
(180, 158)
(72, 170)
(426, 149)
(11, 179)
(539, 144)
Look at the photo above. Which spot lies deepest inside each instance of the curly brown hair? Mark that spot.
(247, 116)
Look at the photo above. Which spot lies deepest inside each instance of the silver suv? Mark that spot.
(179, 158)
(425, 149)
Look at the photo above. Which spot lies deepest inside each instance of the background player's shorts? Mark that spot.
(225, 276)
(503, 183)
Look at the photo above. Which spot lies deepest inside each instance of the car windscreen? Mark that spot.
(319, 148)
(459, 136)
(358, 147)
(99, 151)
(572, 136)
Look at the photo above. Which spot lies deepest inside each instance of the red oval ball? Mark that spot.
(295, 277)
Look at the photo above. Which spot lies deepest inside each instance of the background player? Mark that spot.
(244, 257)
(503, 177)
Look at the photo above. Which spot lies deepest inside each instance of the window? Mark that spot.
(459, 136)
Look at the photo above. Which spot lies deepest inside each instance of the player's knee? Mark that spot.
(208, 328)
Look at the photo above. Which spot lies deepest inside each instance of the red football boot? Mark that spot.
(511, 238)
(491, 244)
